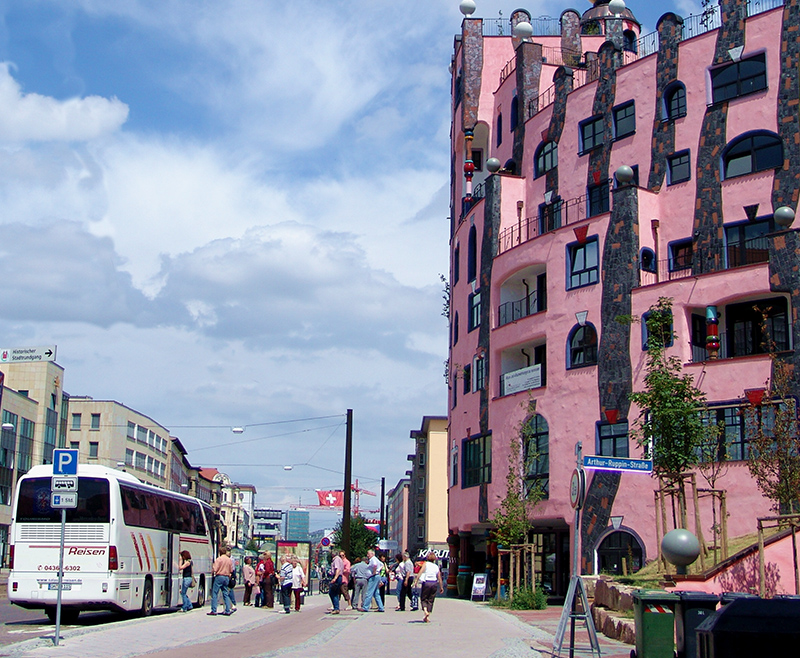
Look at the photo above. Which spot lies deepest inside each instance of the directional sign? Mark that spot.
(27, 354)
(63, 500)
(64, 483)
(65, 462)
(618, 464)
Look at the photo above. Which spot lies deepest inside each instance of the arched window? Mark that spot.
(472, 255)
(674, 101)
(582, 346)
(499, 128)
(456, 264)
(514, 114)
(647, 260)
(546, 158)
(752, 152)
(629, 43)
(510, 167)
(537, 456)
(616, 547)
(740, 78)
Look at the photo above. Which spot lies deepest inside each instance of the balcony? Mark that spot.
(521, 308)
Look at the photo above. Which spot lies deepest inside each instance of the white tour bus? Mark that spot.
(122, 545)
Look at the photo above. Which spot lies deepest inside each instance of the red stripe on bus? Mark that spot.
(138, 554)
(144, 548)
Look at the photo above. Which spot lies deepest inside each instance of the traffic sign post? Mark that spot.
(63, 496)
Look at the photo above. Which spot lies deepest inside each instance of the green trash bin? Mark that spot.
(654, 612)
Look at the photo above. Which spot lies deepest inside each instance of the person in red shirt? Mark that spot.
(265, 573)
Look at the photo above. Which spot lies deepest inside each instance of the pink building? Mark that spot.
(548, 251)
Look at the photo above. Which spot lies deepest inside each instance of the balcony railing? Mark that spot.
(568, 212)
(544, 26)
(522, 308)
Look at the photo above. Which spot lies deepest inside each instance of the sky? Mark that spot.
(234, 213)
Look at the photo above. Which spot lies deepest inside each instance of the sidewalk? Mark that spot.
(457, 628)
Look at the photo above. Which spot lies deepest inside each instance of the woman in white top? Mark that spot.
(298, 581)
(430, 576)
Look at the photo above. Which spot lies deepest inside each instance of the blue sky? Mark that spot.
(235, 213)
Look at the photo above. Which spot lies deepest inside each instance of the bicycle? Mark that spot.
(324, 585)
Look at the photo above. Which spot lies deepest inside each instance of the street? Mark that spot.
(457, 628)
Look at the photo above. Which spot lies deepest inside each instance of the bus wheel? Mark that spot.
(147, 599)
(69, 616)
(201, 593)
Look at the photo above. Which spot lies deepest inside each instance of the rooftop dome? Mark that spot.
(600, 10)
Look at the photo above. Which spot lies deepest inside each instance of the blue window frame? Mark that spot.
(592, 133)
(582, 346)
(583, 262)
(612, 439)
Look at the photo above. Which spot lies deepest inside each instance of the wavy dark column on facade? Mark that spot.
(571, 32)
(784, 276)
(529, 73)
(471, 71)
(731, 31)
(491, 225)
(669, 29)
(599, 158)
(709, 246)
(787, 178)
(620, 275)
(564, 82)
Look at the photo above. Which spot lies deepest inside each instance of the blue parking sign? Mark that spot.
(65, 462)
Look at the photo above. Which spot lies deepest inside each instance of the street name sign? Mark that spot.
(618, 464)
(27, 354)
(63, 500)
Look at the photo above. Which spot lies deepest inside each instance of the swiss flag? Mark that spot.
(331, 498)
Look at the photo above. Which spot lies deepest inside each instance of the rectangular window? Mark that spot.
(479, 373)
(95, 421)
(591, 133)
(624, 120)
(454, 466)
(747, 243)
(679, 168)
(128, 457)
(74, 445)
(477, 461)
(550, 216)
(141, 461)
(583, 263)
(739, 78)
(131, 430)
(93, 448)
(141, 434)
(474, 310)
(76, 421)
(756, 326)
(680, 255)
(598, 199)
(477, 159)
(467, 379)
(420, 508)
(612, 440)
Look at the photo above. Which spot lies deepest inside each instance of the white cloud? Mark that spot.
(33, 117)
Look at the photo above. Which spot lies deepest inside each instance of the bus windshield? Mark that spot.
(34, 502)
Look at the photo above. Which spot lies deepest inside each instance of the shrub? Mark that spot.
(528, 598)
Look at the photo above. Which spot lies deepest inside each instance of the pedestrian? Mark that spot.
(335, 587)
(408, 579)
(185, 567)
(384, 581)
(373, 583)
(232, 582)
(267, 579)
(221, 572)
(430, 579)
(346, 580)
(415, 586)
(299, 581)
(286, 577)
(359, 573)
(249, 577)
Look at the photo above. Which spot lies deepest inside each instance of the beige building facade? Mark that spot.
(428, 486)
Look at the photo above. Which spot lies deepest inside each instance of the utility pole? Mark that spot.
(348, 467)
(383, 509)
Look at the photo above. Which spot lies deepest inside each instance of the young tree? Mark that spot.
(361, 537)
(512, 520)
(671, 424)
(774, 458)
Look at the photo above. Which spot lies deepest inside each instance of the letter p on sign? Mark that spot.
(65, 462)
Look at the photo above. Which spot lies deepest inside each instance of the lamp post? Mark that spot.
(348, 467)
